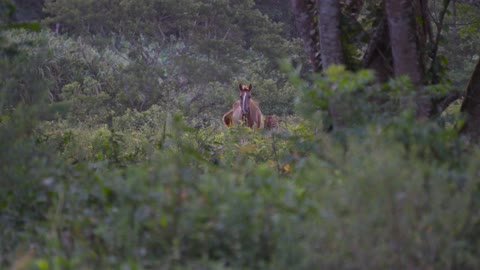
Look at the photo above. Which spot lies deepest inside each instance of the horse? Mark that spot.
(270, 122)
(245, 110)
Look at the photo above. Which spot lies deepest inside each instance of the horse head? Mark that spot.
(245, 96)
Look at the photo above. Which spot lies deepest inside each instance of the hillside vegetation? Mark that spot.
(113, 154)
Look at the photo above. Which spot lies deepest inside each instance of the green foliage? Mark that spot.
(368, 212)
(219, 28)
(352, 97)
(460, 44)
(8, 10)
(150, 191)
(114, 157)
(155, 55)
(101, 84)
(24, 161)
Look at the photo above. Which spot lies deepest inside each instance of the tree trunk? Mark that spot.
(305, 12)
(471, 105)
(331, 48)
(405, 42)
(406, 59)
(329, 26)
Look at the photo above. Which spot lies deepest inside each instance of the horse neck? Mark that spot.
(253, 114)
(253, 105)
(253, 108)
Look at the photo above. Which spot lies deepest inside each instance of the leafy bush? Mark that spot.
(24, 161)
(236, 197)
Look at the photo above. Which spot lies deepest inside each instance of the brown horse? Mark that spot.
(270, 122)
(244, 111)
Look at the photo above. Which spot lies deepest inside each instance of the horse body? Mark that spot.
(251, 119)
(244, 111)
(270, 122)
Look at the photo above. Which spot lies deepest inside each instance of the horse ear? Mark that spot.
(240, 87)
(250, 87)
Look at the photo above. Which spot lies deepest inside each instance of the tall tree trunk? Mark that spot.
(305, 12)
(330, 39)
(331, 48)
(471, 105)
(406, 60)
(406, 54)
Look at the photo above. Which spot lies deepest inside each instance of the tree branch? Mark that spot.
(433, 71)
(442, 103)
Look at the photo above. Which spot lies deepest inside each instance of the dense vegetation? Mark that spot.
(113, 154)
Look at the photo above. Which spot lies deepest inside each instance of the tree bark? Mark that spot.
(406, 43)
(331, 48)
(406, 60)
(329, 27)
(305, 12)
(471, 106)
